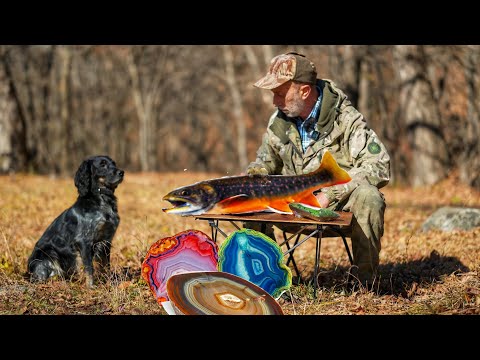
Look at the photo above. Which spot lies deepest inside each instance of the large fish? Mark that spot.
(255, 193)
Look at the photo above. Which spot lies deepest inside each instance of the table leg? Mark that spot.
(317, 259)
(213, 225)
(290, 256)
(347, 248)
(212, 228)
(301, 242)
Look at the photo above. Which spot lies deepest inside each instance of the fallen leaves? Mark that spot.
(420, 273)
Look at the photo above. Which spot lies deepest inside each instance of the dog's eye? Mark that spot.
(103, 163)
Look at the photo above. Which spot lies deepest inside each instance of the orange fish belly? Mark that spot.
(243, 204)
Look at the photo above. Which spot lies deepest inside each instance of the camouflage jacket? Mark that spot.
(354, 145)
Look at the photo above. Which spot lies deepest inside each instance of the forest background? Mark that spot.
(175, 107)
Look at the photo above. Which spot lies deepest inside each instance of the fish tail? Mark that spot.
(329, 164)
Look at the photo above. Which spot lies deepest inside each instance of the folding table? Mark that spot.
(310, 228)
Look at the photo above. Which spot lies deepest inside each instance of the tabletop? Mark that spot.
(344, 219)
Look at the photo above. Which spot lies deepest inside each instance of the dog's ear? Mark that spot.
(83, 178)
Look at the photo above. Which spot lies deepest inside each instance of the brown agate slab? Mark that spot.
(218, 293)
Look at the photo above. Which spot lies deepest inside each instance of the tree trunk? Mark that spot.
(140, 108)
(364, 94)
(260, 70)
(6, 118)
(429, 158)
(351, 62)
(237, 106)
(469, 163)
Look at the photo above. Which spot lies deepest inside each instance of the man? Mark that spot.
(314, 116)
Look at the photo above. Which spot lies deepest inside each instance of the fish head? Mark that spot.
(191, 200)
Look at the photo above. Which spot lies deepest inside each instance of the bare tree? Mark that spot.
(146, 92)
(260, 69)
(429, 158)
(237, 106)
(6, 120)
(58, 107)
(470, 160)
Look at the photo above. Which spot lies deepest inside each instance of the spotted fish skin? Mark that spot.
(254, 193)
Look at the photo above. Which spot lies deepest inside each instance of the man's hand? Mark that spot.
(322, 199)
(257, 171)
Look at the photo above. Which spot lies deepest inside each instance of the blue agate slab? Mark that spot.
(257, 258)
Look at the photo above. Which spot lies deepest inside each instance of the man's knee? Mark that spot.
(369, 195)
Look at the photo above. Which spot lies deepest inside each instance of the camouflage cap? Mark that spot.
(286, 67)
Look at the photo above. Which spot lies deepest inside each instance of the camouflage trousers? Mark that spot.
(367, 204)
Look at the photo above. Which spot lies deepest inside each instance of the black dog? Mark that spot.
(86, 228)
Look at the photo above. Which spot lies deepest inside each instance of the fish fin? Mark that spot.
(329, 164)
(237, 197)
(278, 211)
(279, 206)
(307, 198)
(239, 204)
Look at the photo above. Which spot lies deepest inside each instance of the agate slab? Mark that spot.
(189, 250)
(255, 257)
(218, 293)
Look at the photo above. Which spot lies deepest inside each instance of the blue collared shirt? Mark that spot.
(306, 127)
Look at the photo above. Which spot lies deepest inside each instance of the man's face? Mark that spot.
(288, 98)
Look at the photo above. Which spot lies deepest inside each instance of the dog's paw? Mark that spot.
(89, 282)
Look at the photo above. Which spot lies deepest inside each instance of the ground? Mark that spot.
(420, 273)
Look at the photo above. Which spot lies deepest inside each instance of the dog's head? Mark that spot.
(98, 174)
(42, 270)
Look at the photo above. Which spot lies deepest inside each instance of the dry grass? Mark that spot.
(420, 273)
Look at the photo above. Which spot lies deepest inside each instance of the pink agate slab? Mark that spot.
(218, 293)
(189, 250)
